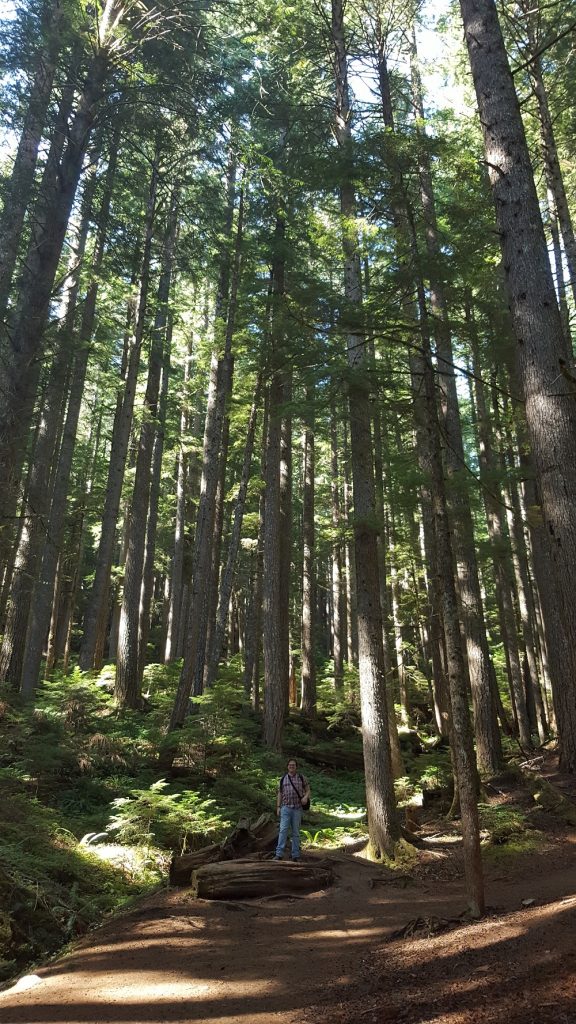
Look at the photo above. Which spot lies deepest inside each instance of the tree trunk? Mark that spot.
(24, 634)
(127, 687)
(338, 618)
(40, 608)
(91, 651)
(175, 600)
(19, 188)
(147, 589)
(550, 406)
(488, 743)
(380, 800)
(552, 167)
(308, 562)
(499, 546)
(227, 580)
(21, 368)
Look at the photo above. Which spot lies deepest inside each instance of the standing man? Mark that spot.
(293, 795)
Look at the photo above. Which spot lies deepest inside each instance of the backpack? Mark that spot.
(306, 804)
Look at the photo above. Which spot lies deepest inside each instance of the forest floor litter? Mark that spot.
(374, 947)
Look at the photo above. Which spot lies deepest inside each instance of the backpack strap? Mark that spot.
(295, 788)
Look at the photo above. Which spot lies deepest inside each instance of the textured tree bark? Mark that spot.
(176, 572)
(275, 685)
(515, 518)
(559, 271)
(24, 634)
(19, 187)
(550, 406)
(243, 879)
(21, 368)
(228, 571)
(202, 555)
(349, 561)
(147, 589)
(276, 668)
(462, 747)
(129, 663)
(41, 604)
(488, 743)
(308, 703)
(91, 651)
(495, 515)
(338, 618)
(552, 168)
(9, 496)
(286, 530)
(204, 665)
(382, 820)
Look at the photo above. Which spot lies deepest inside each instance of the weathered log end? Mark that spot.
(246, 838)
(235, 880)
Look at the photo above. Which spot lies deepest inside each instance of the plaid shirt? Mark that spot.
(288, 795)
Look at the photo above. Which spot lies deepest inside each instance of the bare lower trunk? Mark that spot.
(96, 616)
(338, 620)
(308, 563)
(175, 600)
(234, 543)
(382, 821)
(500, 550)
(130, 659)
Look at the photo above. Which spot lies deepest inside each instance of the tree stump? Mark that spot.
(236, 880)
(247, 837)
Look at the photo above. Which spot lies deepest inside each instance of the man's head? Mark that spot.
(292, 766)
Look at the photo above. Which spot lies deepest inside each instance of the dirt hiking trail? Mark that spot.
(330, 957)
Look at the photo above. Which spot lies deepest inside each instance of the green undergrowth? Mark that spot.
(90, 819)
(507, 833)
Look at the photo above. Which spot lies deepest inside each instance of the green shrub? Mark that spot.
(151, 817)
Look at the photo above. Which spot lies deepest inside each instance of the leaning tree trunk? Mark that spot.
(380, 800)
(550, 405)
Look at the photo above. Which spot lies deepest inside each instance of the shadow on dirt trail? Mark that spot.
(178, 959)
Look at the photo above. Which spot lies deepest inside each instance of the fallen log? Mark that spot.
(246, 837)
(351, 760)
(181, 868)
(241, 879)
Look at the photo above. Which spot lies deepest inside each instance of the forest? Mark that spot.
(287, 429)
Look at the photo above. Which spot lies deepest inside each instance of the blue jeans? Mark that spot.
(290, 819)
